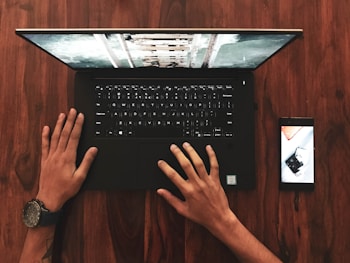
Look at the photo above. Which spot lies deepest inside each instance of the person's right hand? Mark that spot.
(205, 200)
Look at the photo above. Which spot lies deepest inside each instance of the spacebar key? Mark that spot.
(156, 132)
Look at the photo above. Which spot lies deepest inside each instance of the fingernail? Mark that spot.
(186, 144)
(46, 128)
(173, 146)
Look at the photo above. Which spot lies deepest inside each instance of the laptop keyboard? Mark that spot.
(135, 110)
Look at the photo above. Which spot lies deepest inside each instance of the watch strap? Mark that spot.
(48, 218)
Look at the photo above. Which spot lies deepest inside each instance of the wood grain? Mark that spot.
(308, 78)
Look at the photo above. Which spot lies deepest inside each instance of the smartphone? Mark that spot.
(297, 162)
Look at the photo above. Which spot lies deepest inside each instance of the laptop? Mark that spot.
(142, 90)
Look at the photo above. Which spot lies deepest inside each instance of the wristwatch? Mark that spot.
(36, 214)
(297, 160)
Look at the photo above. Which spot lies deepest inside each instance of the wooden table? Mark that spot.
(308, 78)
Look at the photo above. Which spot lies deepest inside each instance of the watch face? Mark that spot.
(31, 214)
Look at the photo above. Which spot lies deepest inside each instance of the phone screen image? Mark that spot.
(297, 153)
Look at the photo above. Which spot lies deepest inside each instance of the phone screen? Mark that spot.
(297, 165)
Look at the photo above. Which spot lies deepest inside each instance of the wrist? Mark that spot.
(49, 203)
(35, 214)
(225, 225)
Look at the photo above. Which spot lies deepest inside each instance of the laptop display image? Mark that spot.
(143, 89)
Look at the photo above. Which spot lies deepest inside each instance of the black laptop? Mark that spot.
(143, 89)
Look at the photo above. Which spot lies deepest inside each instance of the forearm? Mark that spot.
(38, 245)
(242, 242)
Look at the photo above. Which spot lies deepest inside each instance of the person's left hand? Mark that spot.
(60, 179)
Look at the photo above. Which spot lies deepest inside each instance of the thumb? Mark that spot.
(175, 202)
(85, 164)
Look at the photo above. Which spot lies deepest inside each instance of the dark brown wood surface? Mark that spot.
(308, 78)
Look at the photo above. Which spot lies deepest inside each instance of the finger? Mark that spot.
(173, 176)
(75, 135)
(185, 164)
(57, 131)
(67, 129)
(214, 164)
(196, 160)
(173, 201)
(45, 142)
(83, 169)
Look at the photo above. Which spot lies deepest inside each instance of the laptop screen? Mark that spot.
(164, 48)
